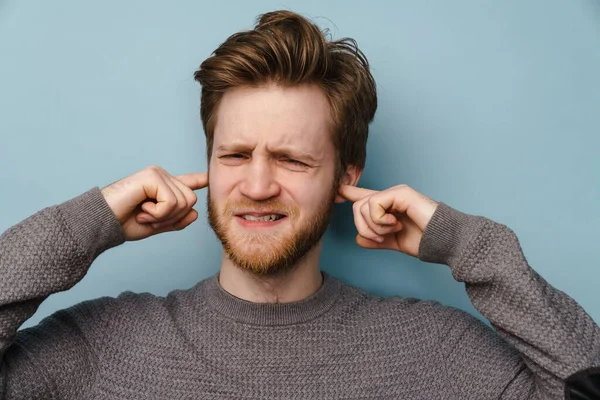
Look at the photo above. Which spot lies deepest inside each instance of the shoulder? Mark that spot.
(96, 316)
(449, 330)
(404, 312)
(132, 310)
(127, 312)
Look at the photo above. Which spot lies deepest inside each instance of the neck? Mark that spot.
(303, 280)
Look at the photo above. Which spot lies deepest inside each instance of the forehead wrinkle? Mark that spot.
(271, 124)
(306, 138)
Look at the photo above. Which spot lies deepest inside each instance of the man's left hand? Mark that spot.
(392, 219)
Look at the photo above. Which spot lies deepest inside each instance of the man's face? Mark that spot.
(271, 175)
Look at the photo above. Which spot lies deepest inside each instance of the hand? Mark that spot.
(392, 219)
(152, 201)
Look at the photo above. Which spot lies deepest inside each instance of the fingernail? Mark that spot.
(379, 240)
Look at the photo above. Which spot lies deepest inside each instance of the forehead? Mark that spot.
(272, 115)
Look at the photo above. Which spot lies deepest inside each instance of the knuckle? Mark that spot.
(407, 190)
(367, 232)
(182, 204)
(171, 203)
(372, 201)
(151, 171)
(378, 229)
(364, 205)
(365, 209)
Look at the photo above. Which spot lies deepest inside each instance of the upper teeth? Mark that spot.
(271, 217)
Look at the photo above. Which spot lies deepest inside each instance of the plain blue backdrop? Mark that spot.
(490, 106)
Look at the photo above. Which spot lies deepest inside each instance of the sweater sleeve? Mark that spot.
(47, 253)
(553, 336)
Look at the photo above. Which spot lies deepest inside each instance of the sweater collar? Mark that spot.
(268, 314)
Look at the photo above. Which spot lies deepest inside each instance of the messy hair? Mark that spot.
(286, 49)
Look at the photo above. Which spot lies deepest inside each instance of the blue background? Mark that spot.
(490, 106)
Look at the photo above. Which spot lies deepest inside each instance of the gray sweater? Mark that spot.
(339, 343)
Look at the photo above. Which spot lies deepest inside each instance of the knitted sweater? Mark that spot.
(339, 343)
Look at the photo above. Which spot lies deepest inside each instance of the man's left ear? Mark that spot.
(350, 177)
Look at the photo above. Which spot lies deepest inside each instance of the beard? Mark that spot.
(269, 253)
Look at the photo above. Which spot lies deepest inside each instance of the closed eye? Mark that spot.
(236, 155)
(294, 165)
(292, 161)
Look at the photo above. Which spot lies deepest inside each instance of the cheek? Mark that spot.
(219, 181)
(310, 193)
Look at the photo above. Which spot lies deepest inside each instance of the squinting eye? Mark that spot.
(237, 155)
(292, 161)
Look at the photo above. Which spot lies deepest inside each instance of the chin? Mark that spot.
(270, 257)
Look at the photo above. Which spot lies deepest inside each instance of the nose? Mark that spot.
(259, 182)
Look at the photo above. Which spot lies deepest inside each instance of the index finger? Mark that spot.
(195, 181)
(354, 193)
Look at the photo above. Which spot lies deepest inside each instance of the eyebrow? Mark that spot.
(281, 151)
(293, 153)
(232, 147)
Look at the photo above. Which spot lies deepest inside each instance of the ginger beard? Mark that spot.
(269, 253)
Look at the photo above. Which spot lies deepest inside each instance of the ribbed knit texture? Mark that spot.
(204, 343)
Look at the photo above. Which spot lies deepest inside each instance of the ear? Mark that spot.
(350, 177)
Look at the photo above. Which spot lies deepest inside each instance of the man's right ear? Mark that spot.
(350, 177)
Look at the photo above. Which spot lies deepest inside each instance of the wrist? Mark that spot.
(92, 222)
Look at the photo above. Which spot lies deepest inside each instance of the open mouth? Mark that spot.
(263, 218)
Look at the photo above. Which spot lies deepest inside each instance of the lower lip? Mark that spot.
(258, 224)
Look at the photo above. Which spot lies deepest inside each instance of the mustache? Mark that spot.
(234, 207)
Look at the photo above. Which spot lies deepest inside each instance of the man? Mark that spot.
(286, 116)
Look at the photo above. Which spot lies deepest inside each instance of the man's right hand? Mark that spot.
(152, 201)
